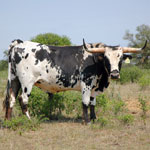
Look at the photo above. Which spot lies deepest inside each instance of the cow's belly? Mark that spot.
(53, 88)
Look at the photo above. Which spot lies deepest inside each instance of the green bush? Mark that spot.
(118, 106)
(3, 65)
(72, 102)
(103, 121)
(41, 106)
(144, 107)
(144, 80)
(102, 102)
(126, 119)
(22, 123)
(130, 74)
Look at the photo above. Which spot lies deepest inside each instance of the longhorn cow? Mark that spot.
(86, 68)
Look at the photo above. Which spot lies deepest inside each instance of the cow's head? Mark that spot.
(113, 57)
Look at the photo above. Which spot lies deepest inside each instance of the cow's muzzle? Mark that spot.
(115, 74)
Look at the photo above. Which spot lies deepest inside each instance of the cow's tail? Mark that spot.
(10, 63)
(6, 100)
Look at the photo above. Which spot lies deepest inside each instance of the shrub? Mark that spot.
(130, 74)
(118, 106)
(102, 102)
(144, 80)
(126, 119)
(144, 107)
(103, 121)
(72, 102)
(21, 122)
(41, 106)
(3, 65)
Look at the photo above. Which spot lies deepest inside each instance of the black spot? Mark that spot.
(91, 45)
(36, 62)
(27, 67)
(33, 50)
(83, 92)
(17, 58)
(38, 82)
(25, 90)
(97, 45)
(19, 41)
(107, 64)
(42, 55)
(28, 95)
(91, 98)
(26, 55)
(20, 50)
(47, 70)
(9, 59)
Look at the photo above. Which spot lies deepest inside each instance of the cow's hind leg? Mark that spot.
(13, 88)
(85, 113)
(23, 99)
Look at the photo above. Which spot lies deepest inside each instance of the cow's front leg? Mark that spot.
(92, 108)
(85, 103)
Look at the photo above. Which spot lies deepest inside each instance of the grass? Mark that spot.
(119, 124)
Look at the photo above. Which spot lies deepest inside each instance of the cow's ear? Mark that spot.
(126, 56)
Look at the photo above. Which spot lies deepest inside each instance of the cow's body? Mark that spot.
(55, 69)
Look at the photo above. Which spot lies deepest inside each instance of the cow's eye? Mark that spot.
(118, 55)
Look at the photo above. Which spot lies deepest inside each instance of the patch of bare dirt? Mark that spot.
(133, 106)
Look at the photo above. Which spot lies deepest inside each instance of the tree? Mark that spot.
(52, 39)
(138, 40)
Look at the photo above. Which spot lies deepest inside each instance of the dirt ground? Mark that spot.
(70, 135)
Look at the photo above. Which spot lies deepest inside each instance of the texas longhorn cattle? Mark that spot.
(86, 68)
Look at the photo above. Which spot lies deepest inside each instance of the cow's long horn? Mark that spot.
(93, 50)
(133, 50)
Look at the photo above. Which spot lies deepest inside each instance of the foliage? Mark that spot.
(22, 123)
(118, 106)
(72, 101)
(52, 39)
(138, 40)
(144, 107)
(130, 74)
(103, 121)
(102, 102)
(144, 80)
(3, 65)
(127, 118)
(41, 106)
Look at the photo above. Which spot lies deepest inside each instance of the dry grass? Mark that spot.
(70, 135)
(74, 136)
